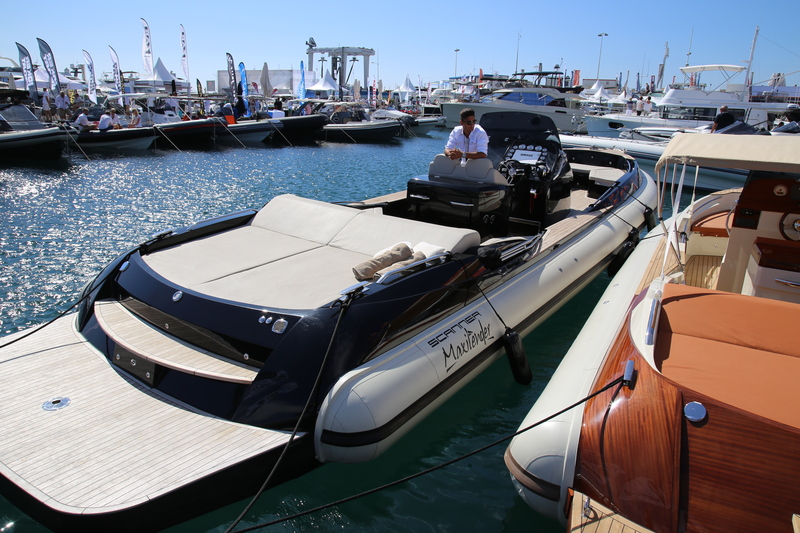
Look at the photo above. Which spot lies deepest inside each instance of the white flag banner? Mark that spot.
(184, 55)
(92, 81)
(147, 50)
(117, 72)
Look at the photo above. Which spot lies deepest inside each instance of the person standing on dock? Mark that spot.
(62, 104)
(467, 141)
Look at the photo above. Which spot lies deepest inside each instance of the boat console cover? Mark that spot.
(296, 253)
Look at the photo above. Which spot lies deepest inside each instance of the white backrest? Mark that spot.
(475, 170)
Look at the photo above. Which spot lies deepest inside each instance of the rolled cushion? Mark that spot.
(366, 270)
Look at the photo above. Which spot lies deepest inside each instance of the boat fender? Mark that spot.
(650, 218)
(517, 358)
(620, 258)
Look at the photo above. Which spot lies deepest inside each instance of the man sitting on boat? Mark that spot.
(469, 140)
(82, 122)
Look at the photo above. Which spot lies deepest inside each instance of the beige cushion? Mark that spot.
(303, 281)
(296, 253)
(224, 254)
(370, 232)
(475, 170)
(304, 218)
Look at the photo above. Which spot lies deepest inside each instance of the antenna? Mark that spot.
(690, 47)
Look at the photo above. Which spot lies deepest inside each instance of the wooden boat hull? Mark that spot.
(728, 354)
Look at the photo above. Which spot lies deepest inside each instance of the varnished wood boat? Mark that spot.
(704, 435)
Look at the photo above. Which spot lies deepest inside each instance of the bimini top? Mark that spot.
(747, 152)
(711, 68)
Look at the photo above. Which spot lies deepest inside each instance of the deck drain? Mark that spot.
(55, 404)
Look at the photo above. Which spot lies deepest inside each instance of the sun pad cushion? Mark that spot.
(738, 349)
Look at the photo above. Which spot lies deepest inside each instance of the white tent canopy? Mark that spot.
(406, 89)
(42, 78)
(160, 74)
(327, 83)
(600, 95)
(596, 87)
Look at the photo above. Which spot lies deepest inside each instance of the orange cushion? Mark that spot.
(713, 225)
(738, 349)
(747, 321)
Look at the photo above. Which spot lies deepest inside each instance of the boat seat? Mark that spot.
(480, 170)
(714, 224)
(606, 176)
(738, 349)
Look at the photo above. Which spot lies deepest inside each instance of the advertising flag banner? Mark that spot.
(50, 66)
(92, 81)
(147, 50)
(27, 73)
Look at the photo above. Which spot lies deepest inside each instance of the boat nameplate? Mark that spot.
(695, 412)
(177, 296)
(55, 404)
(124, 266)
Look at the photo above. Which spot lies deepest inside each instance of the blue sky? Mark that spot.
(419, 40)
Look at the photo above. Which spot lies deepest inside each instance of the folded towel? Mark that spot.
(399, 252)
(428, 249)
(418, 256)
(392, 246)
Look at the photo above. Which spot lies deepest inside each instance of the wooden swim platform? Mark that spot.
(108, 442)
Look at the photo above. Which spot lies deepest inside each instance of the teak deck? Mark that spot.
(588, 516)
(139, 443)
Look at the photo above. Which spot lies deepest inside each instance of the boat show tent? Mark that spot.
(589, 92)
(407, 89)
(327, 83)
(601, 95)
(160, 74)
(43, 79)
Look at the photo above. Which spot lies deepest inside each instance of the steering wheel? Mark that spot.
(512, 170)
(790, 226)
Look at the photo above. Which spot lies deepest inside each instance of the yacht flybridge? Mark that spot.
(195, 357)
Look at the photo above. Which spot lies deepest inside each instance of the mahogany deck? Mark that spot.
(117, 443)
(639, 456)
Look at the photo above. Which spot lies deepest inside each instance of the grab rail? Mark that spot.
(390, 276)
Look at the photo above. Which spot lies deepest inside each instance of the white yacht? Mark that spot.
(550, 100)
(692, 107)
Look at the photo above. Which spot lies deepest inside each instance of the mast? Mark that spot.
(747, 84)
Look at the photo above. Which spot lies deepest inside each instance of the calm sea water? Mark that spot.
(62, 224)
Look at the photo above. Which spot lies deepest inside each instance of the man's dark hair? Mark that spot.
(467, 112)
